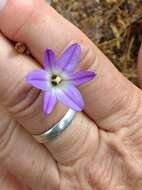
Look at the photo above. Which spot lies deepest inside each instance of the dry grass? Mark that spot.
(115, 26)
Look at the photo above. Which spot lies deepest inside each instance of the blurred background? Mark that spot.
(115, 26)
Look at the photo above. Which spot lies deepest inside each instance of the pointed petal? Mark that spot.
(70, 58)
(49, 59)
(82, 77)
(38, 79)
(71, 97)
(49, 101)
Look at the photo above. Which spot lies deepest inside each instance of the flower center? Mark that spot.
(56, 80)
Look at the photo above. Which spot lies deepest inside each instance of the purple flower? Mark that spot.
(58, 79)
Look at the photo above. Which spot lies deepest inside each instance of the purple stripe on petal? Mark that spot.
(70, 58)
(71, 97)
(49, 59)
(49, 101)
(38, 79)
(82, 77)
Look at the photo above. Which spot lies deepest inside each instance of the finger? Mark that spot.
(27, 160)
(139, 67)
(9, 182)
(107, 98)
(25, 103)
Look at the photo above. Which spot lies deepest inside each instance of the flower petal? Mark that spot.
(49, 101)
(82, 77)
(49, 59)
(71, 97)
(70, 58)
(38, 79)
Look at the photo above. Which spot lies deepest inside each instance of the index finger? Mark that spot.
(40, 26)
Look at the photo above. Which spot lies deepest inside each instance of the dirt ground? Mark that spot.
(115, 26)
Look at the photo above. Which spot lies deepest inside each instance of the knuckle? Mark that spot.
(17, 96)
(131, 110)
(6, 135)
(24, 100)
(88, 57)
(125, 111)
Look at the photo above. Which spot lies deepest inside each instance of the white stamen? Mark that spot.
(56, 80)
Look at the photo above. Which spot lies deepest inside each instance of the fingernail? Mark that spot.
(2, 4)
(49, 1)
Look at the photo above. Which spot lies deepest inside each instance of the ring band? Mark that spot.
(57, 129)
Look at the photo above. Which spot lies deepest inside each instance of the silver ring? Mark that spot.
(57, 129)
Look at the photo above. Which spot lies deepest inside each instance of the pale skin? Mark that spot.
(102, 148)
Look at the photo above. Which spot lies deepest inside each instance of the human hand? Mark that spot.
(102, 147)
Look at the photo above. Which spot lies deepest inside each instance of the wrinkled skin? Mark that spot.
(102, 148)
